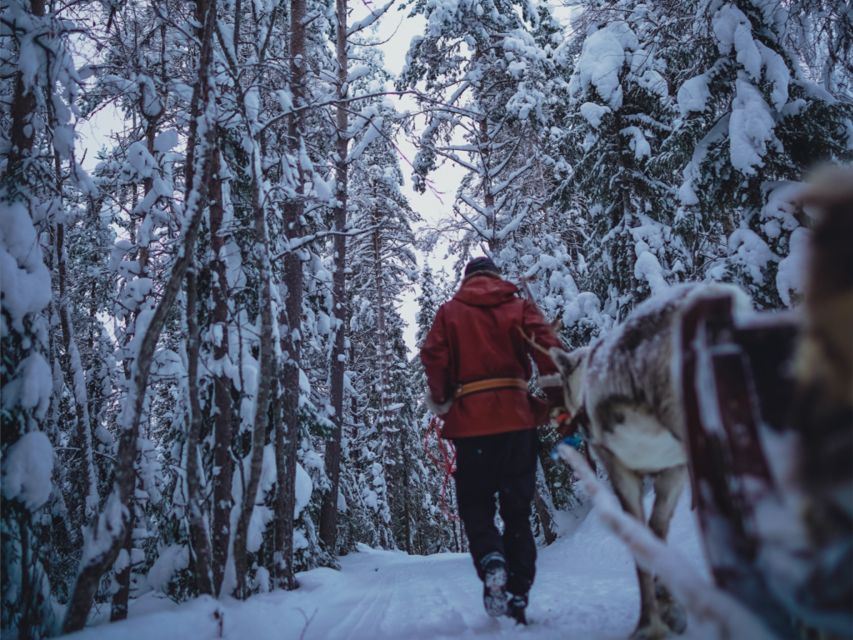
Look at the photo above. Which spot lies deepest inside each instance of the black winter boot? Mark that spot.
(494, 583)
(516, 607)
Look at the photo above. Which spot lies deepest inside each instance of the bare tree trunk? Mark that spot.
(121, 597)
(114, 518)
(224, 392)
(404, 467)
(22, 132)
(488, 194)
(266, 371)
(379, 301)
(544, 517)
(199, 542)
(287, 430)
(75, 378)
(329, 508)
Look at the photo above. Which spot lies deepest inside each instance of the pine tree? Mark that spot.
(482, 70)
(40, 86)
(748, 120)
(622, 105)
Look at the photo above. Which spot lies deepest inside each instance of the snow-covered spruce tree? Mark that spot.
(83, 350)
(411, 521)
(622, 107)
(37, 170)
(436, 531)
(750, 123)
(821, 33)
(382, 262)
(27, 452)
(482, 71)
(365, 77)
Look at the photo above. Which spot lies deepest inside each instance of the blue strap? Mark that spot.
(575, 441)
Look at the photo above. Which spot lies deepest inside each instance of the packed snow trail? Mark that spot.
(586, 589)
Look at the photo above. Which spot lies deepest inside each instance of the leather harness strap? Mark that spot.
(489, 384)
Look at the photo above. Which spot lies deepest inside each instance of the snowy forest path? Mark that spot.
(585, 588)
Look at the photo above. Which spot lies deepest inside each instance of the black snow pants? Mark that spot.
(502, 465)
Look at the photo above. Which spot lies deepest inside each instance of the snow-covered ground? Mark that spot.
(586, 589)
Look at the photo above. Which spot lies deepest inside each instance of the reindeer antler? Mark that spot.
(556, 323)
(533, 343)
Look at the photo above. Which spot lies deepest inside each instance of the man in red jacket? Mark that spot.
(477, 361)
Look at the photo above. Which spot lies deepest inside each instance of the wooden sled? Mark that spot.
(740, 397)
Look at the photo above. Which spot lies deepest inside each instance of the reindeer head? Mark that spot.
(572, 368)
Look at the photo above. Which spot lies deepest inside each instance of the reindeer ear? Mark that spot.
(567, 362)
(562, 359)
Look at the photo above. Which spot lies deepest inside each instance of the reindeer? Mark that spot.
(624, 383)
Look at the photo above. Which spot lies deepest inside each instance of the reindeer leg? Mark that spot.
(668, 487)
(628, 486)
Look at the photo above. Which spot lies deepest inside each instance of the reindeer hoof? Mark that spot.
(673, 616)
(671, 612)
(652, 631)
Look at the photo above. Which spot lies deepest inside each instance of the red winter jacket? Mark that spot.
(478, 335)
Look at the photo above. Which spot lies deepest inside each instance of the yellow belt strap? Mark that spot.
(488, 385)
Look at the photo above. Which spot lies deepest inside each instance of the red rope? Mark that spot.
(447, 462)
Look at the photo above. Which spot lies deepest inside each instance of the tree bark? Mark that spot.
(22, 133)
(121, 597)
(329, 508)
(266, 371)
(114, 518)
(224, 392)
(379, 301)
(488, 194)
(199, 542)
(287, 430)
(544, 517)
(75, 378)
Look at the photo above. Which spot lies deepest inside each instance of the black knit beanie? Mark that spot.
(481, 264)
